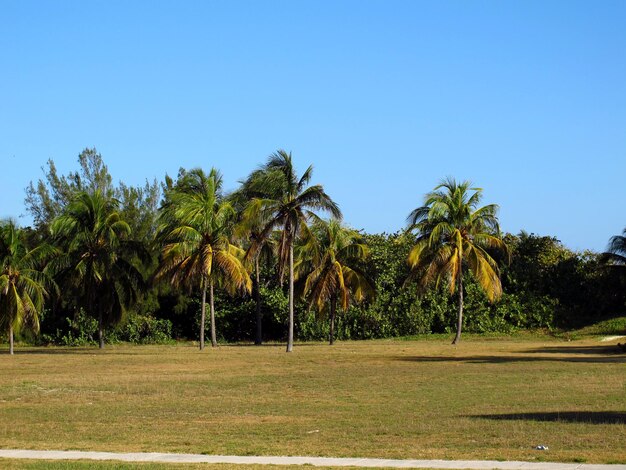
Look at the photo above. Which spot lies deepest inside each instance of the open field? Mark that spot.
(16, 464)
(485, 399)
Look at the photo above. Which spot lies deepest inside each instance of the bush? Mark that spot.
(82, 330)
(613, 326)
(142, 329)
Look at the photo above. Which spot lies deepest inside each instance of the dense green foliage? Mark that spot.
(99, 264)
(108, 256)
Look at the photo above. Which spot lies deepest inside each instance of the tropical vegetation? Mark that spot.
(616, 251)
(23, 285)
(328, 264)
(453, 232)
(143, 263)
(287, 203)
(99, 263)
(195, 233)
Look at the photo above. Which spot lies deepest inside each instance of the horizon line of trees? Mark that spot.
(143, 264)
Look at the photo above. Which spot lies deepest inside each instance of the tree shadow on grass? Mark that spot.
(614, 359)
(589, 417)
(53, 350)
(134, 349)
(78, 350)
(584, 354)
(269, 345)
(607, 349)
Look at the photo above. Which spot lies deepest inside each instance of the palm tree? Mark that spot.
(22, 284)
(288, 205)
(99, 260)
(453, 232)
(330, 259)
(250, 233)
(195, 229)
(615, 254)
(614, 258)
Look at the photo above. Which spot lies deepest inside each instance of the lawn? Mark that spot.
(19, 464)
(488, 398)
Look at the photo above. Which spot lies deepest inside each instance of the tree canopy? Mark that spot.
(141, 263)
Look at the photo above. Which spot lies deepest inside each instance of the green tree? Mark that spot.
(139, 207)
(22, 283)
(330, 257)
(46, 199)
(99, 259)
(288, 206)
(196, 224)
(454, 232)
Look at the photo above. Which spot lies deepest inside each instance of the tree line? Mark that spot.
(273, 260)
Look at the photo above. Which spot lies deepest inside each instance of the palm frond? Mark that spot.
(452, 231)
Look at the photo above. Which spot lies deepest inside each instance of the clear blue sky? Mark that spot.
(527, 99)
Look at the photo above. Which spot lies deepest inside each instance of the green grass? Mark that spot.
(612, 327)
(493, 399)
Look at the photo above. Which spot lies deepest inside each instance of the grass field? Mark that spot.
(17, 464)
(484, 399)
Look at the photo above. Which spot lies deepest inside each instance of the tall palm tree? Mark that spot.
(330, 260)
(99, 260)
(250, 234)
(22, 283)
(453, 232)
(288, 205)
(195, 229)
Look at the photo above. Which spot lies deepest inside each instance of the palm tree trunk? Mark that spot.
(212, 305)
(11, 340)
(333, 309)
(257, 297)
(459, 321)
(203, 315)
(100, 329)
(290, 333)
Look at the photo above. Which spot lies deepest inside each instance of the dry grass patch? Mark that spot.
(20, 464)
(485, 399)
